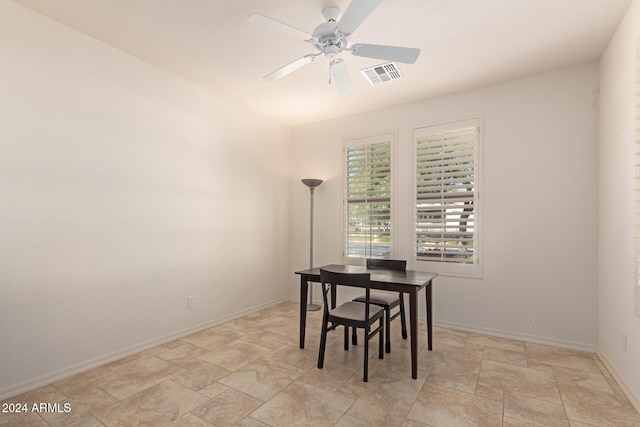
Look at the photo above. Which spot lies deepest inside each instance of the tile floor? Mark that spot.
(250, 372)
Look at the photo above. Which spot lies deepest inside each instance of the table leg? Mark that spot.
(413, 324)
(304, 286)
(429, 318)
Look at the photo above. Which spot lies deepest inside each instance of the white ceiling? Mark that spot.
(464, 44)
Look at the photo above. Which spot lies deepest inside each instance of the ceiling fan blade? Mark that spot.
(408, 55)
(275, 25)
(341, 77)
(355, 14)
(290, 67)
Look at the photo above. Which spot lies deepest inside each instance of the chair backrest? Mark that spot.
(389, 264)
(357, 280)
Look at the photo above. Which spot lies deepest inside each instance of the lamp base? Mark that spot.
(313, 307)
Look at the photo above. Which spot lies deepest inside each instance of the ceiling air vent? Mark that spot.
(383, 73)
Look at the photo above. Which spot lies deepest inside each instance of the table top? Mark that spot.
(378, 275)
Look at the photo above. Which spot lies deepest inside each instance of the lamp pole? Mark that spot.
(312, 184)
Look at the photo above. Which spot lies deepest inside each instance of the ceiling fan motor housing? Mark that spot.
(326, 40)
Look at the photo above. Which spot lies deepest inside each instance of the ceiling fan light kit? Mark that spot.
(331, 38)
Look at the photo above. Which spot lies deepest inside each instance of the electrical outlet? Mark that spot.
(191, 301)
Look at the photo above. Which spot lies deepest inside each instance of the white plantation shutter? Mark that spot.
(446, 194)
(368, 197)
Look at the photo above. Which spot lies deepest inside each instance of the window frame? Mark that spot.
(474, 269)
(356, 141)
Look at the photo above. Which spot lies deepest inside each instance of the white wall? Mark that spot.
(123, 190)
(617, 157)
(539, 200)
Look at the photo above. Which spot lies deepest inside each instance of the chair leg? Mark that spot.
(387, 332)
(354, 336)
(323, 344)
(403, 320)
(346, 337)
(380, 351)
(366, 356)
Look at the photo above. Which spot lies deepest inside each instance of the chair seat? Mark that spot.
(380, 298)
(355, 311)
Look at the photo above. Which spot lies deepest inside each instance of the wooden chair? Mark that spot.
(387, 300)
(351, 314)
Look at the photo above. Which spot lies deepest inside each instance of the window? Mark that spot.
(446, 197)
(368, 196)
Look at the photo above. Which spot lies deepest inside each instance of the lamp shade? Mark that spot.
(311, 183)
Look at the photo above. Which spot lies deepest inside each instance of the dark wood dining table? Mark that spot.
(407, 281)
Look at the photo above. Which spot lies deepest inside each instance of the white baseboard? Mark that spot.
(633, 398)
(49, 378)
(535, 339)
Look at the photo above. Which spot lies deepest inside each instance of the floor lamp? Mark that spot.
(312, 184)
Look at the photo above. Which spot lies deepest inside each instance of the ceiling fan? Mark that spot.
(331, 38)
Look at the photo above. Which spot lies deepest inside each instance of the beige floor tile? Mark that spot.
(288, 353)
(213, 338)
(29, 411)
(519, 380)
(251, 372)
(203, 375)
(335, 379)
(510, 422)
(534, 411)
(90, 401)
(22, 419)
(213, 390)
(415, 423)
(251, 422)
(279, 325)
(447, 338)
(183, 356)
(505, 356)
(380, 407)
(190, 420)
(579, 424)
(349, 421)
(612, 382)
(452, 368)
(79, 384)
(154, 351)
(234, 355)
(308, 362)
(73, 418)
(264, 338)
(165, 402)
(350, 360)
(263, 378)
(538, 354)
(496, 342)
(227, 408)
(589, 398)
(137, 376)
(444, 407)
(394, 380)
(303, 405)
(489, 393)
(574, 379)
(599, 408)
